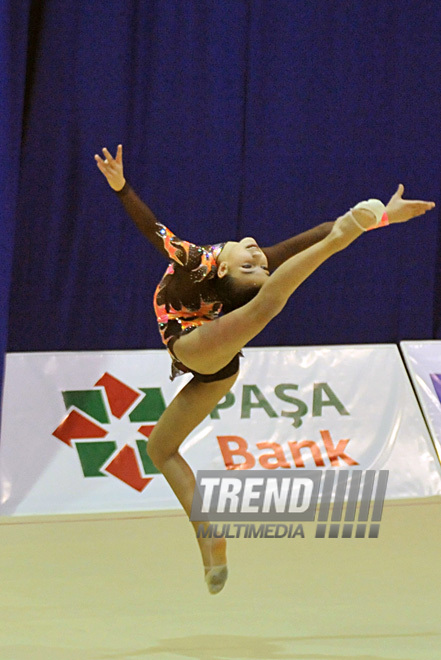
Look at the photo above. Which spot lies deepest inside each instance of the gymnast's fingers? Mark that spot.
(101, 165)
(118, 157)
(108, 155)
(420, 206)
(100, 162)
(427, 205)
(400, 190)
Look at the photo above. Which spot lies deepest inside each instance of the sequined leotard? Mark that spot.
(185, 297)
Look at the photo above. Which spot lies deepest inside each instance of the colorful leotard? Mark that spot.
(185, 298)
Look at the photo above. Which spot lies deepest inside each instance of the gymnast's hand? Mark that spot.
(401, 210)
(112, 168)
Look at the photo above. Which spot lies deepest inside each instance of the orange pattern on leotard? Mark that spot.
(186, 297)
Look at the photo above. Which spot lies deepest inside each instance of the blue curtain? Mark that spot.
(13, 54)
(240, 117)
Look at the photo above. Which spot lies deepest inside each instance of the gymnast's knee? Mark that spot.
(156, 453)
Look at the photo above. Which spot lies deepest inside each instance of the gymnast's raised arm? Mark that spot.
(397, 210)
(142, 216)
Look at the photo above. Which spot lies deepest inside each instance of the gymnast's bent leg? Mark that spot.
(211, 346)
(188, 409)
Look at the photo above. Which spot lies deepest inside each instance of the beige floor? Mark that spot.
(116, 587)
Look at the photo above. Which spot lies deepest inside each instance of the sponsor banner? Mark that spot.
(423, 360)
(75, 426)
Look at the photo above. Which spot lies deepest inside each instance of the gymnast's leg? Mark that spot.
(211, 346)
(188, 409)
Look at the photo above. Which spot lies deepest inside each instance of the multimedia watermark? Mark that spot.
(342, 504)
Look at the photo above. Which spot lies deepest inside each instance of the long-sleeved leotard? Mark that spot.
(185, 298)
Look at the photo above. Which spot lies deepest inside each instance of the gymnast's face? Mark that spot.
(243, 260)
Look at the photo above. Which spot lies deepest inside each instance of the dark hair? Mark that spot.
(234, 295)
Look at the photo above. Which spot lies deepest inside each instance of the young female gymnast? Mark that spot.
(233, 278)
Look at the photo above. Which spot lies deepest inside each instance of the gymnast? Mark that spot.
(212, 301)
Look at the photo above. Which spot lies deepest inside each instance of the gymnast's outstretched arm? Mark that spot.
(397, 209)
(147, 223)
(188, 255)
(141, 214)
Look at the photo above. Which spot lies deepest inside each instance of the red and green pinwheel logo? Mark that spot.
(103, 425)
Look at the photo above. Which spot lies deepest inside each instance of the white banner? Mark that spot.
(75, 425)
(423, 360)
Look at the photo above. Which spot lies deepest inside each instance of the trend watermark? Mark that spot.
(343, 503)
